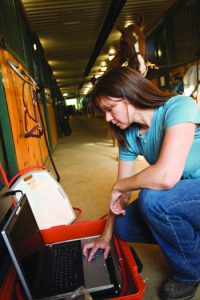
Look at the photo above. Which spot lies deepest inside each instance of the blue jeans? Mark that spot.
(172, 217)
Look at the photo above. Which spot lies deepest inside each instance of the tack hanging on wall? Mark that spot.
(38, 129)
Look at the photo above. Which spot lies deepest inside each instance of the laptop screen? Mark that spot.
(26, 239)
(5, 212)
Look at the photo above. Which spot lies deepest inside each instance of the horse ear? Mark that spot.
(140, 21)
(120, 29)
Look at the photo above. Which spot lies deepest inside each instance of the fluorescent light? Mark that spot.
(111, 56)
(159, 52)
(103, 64)
(85, 92)
(90, 85)
(112, 51)
(103, 69)
(72, 101)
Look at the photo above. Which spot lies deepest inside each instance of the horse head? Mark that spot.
(132, 48)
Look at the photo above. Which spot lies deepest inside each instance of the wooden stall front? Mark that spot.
(30, 151)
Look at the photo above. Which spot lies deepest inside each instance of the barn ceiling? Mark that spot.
(77, 35)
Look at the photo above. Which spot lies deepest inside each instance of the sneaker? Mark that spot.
(173, 290)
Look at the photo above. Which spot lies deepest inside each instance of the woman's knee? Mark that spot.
(125, 226)
(131, 227)
(150, 201)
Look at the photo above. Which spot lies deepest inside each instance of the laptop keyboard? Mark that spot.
(64, 269)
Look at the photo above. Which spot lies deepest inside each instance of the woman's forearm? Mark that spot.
(152, 177)
(108, 229)
(125, 169)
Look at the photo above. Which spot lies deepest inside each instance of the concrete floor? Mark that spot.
(87, 164)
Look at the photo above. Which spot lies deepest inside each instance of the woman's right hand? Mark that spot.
(118, 202)
(90, 248)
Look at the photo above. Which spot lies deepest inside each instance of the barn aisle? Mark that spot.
(87, 164)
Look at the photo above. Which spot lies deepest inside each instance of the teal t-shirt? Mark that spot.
(179, 109)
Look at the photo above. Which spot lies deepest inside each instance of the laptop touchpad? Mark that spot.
(98, 267)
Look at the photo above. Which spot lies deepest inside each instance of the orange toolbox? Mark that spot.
(135, 285)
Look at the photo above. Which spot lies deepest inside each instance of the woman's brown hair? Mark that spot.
(126, 83)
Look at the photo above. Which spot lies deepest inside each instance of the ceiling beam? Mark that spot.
(114, 11)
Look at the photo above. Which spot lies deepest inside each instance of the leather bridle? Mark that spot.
(36, 131)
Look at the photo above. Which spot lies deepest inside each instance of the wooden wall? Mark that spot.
(29, 151)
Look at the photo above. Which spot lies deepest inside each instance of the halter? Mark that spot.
(142, 61)
(37, 130)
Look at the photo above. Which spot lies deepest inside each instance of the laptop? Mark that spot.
(6, 209)
(54, 271)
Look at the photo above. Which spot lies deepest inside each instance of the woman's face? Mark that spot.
(117, 111)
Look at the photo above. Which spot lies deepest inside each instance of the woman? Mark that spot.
(166, 131)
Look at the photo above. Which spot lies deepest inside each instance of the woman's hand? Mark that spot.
(91, 248)
(118, 200)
